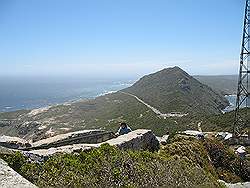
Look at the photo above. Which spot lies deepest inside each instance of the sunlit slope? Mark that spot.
(174, 90)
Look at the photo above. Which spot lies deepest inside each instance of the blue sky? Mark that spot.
(119, 37)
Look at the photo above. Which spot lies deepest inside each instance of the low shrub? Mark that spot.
(108, 166)
(192, 149)
(230, 167)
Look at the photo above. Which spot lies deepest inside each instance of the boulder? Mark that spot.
(7, 151)
(9, 178)
(13, 142)
(40, 155)
(236, 185)
(163, 140)
(140, 139)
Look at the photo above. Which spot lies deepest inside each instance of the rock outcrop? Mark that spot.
(236, 185)
(13, 142)
(78, 137)
(140, 139)
(9, 178)
(163, 140)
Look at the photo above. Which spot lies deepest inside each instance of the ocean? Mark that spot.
(232, 101)
(34, 92)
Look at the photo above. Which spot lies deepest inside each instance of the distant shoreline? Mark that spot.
(29, 95)
(69, 102)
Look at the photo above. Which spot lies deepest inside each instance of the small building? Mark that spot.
(241, 151)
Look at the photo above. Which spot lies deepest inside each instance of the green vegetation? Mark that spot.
(229, 166)
(13, 115)
(173, 90)
(222, 122)
(104, 112)
(213, 156)
(169, 90)
(111, 167)
(184, 162)
(191, 148)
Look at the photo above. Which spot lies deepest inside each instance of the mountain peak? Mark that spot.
(167, 72)
(175, 68)
(174, 90)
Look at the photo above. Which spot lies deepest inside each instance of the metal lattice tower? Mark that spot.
(243, 80)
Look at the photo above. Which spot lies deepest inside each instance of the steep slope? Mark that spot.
(173, 90)
(225, 84)
(223, 122)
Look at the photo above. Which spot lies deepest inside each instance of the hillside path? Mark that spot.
(156, 111)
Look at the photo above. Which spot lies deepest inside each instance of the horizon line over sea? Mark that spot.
(23, 93)
(19, 93)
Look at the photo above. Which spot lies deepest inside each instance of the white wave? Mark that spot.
(232, 95)
(8, 107)
(105, 93)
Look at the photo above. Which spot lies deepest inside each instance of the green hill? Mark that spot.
(174, 90)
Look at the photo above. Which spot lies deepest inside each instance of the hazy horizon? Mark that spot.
(63, 77)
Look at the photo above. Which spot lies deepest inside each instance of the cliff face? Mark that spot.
(174, 90)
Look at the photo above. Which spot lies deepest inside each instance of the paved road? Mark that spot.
(156, 111)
